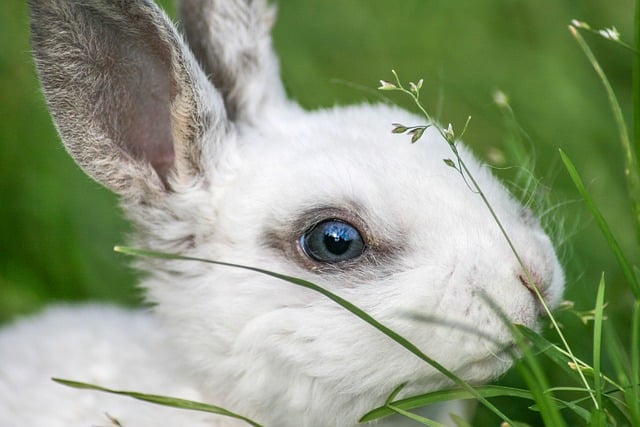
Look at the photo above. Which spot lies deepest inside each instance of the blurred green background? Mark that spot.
(57, 227)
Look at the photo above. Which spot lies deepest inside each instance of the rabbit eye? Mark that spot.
(332, 241)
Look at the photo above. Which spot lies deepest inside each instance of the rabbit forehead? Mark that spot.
(348, 158)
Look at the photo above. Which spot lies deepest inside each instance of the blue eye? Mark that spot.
(332, 241)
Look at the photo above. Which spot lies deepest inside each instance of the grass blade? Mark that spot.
(471, 182)
(620, 364)
(634, 395)
(416, 418)
(560, 357)
(414, 402)
(546, 347)
(160, 400)
(488, 391)
(338, 300)
(459, 421)
(531, 371)
(602, 224)
(600, 418)
(635, 78)
(632, 168)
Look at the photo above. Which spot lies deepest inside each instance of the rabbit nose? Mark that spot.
(533, 280)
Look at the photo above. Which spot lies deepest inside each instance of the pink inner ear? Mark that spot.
(147, 133)
(111, 72)
(145, 120)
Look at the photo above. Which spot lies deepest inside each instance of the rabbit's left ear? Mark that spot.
(232, 41)
(127, 97)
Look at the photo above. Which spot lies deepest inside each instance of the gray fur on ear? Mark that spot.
(126, 95)
(231, 40)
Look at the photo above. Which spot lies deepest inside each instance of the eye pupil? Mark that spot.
(338, 239)
(332, 241)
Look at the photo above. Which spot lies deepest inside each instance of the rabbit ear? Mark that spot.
(231, 40)
(127, 97)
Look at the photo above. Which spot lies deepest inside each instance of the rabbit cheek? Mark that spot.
(456, 320)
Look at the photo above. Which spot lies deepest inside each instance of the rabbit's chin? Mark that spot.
(274, 394)
(285, 365)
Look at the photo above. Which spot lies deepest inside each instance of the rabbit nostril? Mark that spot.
(526, 283)
(537, 289)
(532, 282)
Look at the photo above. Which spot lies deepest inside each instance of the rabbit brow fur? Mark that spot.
(211, 160)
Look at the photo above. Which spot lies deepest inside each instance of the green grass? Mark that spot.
(57, 228)
(597, 405)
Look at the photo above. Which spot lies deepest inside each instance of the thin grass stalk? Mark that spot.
(171, 402)
(635, 77)
(632, 167)
(625, 266)
(597, 342)
(560, 357)
(438, 396)
(488, 391)
(540, 390)
(531, 371)
(416, 418)
(634, 401)
(619, 361)
(466, 174)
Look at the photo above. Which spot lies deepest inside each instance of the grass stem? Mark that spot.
(635, 78)
(597, 342)
(414, 93)
(632, 165)
(634, 400)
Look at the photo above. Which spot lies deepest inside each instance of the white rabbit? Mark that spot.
(211, 160)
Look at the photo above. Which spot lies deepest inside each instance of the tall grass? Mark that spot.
(600, 399)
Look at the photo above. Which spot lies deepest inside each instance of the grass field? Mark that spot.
(58, 228)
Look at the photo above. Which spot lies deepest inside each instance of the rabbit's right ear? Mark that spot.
(232, 41)
(127, 97)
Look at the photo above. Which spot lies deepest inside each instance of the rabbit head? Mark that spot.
(210, 159)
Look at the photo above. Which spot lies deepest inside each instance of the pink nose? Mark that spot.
(532, 281)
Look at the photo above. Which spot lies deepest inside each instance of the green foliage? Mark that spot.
(613, 409)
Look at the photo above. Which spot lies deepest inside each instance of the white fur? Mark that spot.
(280, 354)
